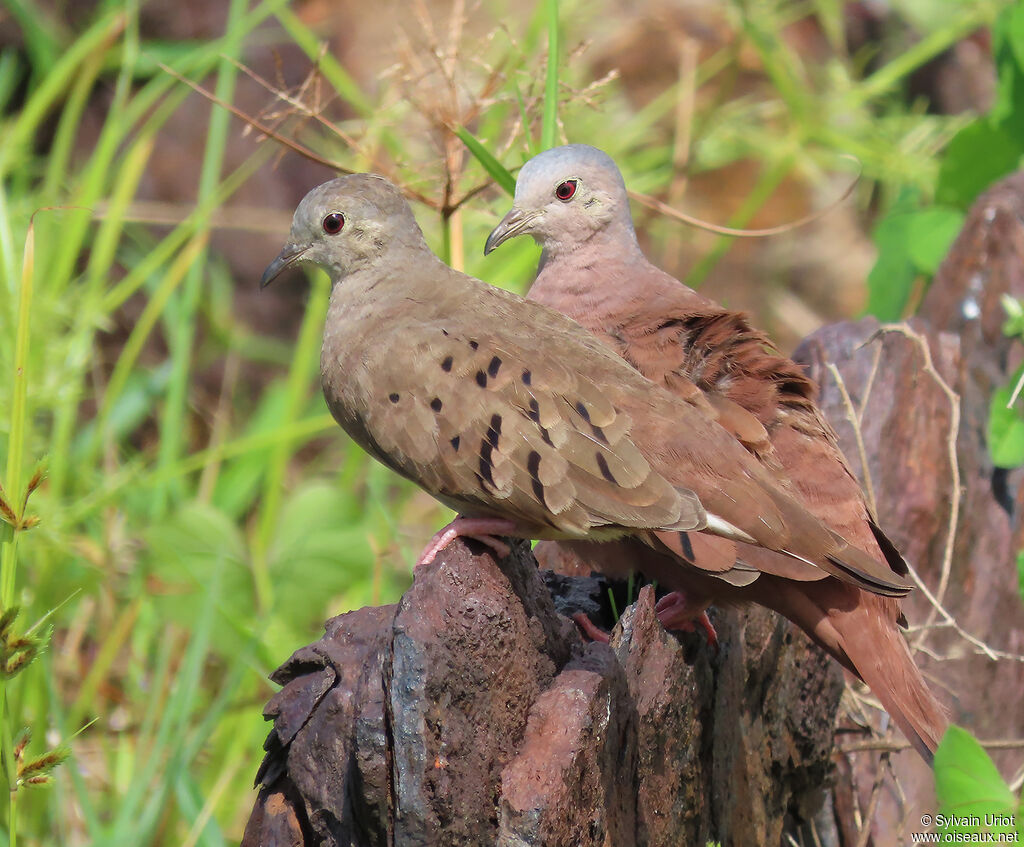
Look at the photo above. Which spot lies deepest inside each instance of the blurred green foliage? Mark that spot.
(916, 232)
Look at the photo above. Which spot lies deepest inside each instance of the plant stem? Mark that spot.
(549, 125)
(15, 450)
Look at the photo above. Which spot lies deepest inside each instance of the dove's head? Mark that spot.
(347, 224)
(564, 198)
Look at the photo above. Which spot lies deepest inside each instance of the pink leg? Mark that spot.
(480, 529)
(589, 628)
(676, 612)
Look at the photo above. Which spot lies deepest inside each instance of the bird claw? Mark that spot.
(589, 629)
(483, 530)
(674, 611)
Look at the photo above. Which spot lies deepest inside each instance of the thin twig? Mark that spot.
(243, 218)
(894, 745)
(251, 121)
(954, 463)
(854, 418)
(667, 210)
(984, 648)
(814, 833)
(874, 745)
(876, 792)
(1017, 781)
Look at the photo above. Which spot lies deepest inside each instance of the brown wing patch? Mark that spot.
(546, 441)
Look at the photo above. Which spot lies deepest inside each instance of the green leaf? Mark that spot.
(992, 146)
(969, 787)
(931, 232)
(1013, 327)
(1008, 52)
(498, 172)
(1005, 432)
(978, 155)
(911, 242)
(1020, 580)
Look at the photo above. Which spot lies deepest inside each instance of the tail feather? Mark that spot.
(860, 631)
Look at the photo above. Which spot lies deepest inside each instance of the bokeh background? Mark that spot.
(195, 514)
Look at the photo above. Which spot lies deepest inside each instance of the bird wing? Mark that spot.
(492, 426)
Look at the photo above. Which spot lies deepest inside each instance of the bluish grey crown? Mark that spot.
(579, 160)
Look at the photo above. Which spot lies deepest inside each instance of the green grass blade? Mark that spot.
(61, 76)
(301, 376)
(549, 124)
(497, 171)
(64, 139)
(10, 73)
(167, 757)
(340, 79)
(138, 475)
(887, 77)
(44, 33)
(182, 333)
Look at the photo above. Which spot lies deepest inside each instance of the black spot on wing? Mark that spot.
(481, 379)
(446, 365)
(455, 443)
(485, 462)
(684, 541)
(436, 404)
(599, 434)
(473, 345)
(533, 466)
(394, 398)
(582, 409)
(527, 377)
(493, 367)
(534, 415)
(602, 463)
(494, 431)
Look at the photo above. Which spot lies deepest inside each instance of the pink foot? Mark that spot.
(480, 529)
(590, 629)
(675, 612)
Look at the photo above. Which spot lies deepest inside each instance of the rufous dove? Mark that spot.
(573, 201)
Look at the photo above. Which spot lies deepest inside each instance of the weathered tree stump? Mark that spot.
(472, 713)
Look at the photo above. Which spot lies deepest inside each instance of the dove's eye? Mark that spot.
(565, 190)
(333, 223)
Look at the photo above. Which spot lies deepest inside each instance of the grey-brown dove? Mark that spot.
(573, 201)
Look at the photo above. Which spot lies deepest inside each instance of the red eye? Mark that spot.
(333, 223)
(565, 190)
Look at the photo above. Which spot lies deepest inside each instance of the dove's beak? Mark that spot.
(511, 225)
(289, 255)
